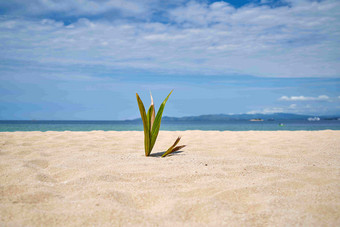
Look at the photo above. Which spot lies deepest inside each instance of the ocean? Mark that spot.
(240, 125)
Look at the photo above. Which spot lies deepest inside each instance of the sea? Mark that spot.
(233, 125)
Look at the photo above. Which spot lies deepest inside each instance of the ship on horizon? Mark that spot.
(313, 119)
(256, 119)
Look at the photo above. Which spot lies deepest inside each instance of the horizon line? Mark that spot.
(134, 119)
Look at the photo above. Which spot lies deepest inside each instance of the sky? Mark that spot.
(86, 59)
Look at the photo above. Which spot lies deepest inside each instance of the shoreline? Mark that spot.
(183, 126)
(221, 178)
(198, 130)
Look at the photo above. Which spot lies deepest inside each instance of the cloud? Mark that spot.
(305, 98)
(66, 8)
(292, 106)
(269, 110)
(312, 109)
(192, 38)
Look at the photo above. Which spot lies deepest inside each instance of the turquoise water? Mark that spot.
(289, 125)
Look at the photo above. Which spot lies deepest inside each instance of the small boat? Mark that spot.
(281, 125)
(313, 119)
(256, 119)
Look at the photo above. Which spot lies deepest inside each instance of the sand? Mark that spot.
(98, 178)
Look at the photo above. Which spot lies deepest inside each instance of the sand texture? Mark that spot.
(98, 178)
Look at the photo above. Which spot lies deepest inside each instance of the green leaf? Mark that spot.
(148, 117)
(157, 123)
(149, 122)
(173, 148)
(178, 148)
(152, 111)
(146, 126)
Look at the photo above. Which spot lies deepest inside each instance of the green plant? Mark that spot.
(152, 125)
(173, 148)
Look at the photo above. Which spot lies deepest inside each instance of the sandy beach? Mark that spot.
(251, 178)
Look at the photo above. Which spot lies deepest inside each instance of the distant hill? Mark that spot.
(233, 117)
(228, 117)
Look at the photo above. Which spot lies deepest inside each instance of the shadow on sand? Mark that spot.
(159, 154)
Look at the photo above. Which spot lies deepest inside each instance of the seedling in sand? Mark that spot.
(173, 148)
(152, 125)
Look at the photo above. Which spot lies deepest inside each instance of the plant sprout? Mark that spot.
(173, 148)
(152, 125)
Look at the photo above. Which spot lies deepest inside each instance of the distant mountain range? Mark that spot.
(233, 117)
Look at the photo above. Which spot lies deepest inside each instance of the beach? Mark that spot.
(102, 178)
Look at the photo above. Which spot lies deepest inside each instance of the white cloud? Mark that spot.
(292, 106)
(76, 7)
(315, 109)
(199, 38)
(269, 110)
(305, 98)
(199, 14)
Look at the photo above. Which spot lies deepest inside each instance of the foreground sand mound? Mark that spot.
(221, 178)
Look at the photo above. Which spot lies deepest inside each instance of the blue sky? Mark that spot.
(85, 60)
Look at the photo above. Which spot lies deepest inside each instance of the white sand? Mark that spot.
(220, 178)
